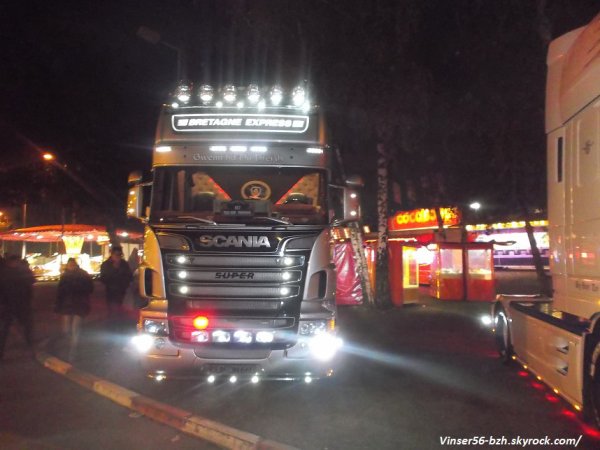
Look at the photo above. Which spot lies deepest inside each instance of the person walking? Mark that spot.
(16, 292)
(73, 301)
(116, 276)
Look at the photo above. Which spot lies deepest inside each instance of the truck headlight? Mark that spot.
(142, 342)
(324, 346)
(314, 327)
(156, 327)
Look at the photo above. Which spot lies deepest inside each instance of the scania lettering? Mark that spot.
(237, 266)
(558, 338)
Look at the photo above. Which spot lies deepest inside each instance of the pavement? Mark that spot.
(409, 377)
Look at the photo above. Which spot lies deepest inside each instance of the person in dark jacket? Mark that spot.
(116, 276)
(73, 301)
(16, 292)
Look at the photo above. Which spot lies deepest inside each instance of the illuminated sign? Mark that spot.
(423, 218)
(265, 123)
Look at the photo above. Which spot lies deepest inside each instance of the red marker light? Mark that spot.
(200, 322)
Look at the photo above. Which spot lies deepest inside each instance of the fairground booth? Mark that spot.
(47, 248)
(429, 257)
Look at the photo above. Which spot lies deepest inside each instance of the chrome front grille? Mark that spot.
(235, 282)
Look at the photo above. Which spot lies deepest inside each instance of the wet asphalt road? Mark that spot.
(408, 378)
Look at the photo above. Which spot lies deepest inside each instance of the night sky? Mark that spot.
(454, 90)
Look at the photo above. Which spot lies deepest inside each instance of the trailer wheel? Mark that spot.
(592, 410)
(502, 334)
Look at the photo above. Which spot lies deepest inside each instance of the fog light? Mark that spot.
(243, 337)
(232, 379)
(486, 320)
(264, 337)
(254, 379)
(308, 379)
(142, 342)
(211, 379)
(199, 336)
(221, 336)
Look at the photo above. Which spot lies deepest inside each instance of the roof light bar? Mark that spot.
(206, 93)
(229, 93)
(298, 96)
(183, 93)
(253, 94)
(276, 95)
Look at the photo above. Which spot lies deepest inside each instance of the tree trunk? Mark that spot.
(382, 292)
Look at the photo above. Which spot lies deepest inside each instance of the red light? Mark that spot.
(591, 432)
(200, 322)
(551, 398)
(537, 386)
(522, 373)
(568, 413)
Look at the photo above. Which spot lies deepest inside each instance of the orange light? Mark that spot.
(332, 325)
(48, 156)
(200, 322)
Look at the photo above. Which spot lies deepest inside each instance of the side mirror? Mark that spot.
(135, 196)
(351, 205)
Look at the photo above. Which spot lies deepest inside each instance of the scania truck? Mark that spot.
(558, 339)
(237, 268)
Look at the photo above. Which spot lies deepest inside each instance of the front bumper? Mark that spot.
(165, 359)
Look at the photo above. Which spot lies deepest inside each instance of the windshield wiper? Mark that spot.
(199, 219)
(273, 219)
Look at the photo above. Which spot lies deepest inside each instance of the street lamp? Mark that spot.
(154, 37)
(475, 206)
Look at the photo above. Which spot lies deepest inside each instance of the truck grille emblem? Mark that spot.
(234, 241)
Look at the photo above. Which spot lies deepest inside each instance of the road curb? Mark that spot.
(185, 421)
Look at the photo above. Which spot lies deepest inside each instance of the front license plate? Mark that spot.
(231, 369)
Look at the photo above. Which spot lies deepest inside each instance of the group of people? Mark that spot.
(72, 299)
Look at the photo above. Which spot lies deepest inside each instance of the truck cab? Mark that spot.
(237, 265)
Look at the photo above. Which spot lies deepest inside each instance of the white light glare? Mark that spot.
(163, 149)
(286, 276)
(240, 104)
(181, 259)
(211, 379)
(183, 274)
(142, 342)
(229, 93)
(353, 213)
(218, 148)
(261, 105)
(284, 291)
(253, 94)
(308, 379)
(353, 195)
(315, 150)
(324, 346)
(276, 95)
(219, 104)
(232, 379)
(258, 149)
(475, 206)
(486, 320)
(298, 96)
(184, 290)
(159, 378)
(238, 148)
(254, 379)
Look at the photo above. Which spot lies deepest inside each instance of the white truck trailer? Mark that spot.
(558, 339)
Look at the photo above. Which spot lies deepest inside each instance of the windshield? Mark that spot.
(249, 195)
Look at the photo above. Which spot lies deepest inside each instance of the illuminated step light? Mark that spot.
(184, 290)
(229, 93)
(276, 95)
(218, 148)
(258, 149)
(264, 337)
(206, 93)
(183, 274)
(314, 150)
(233, 379)
(211, 379)
(254, 379)
(238, 148)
